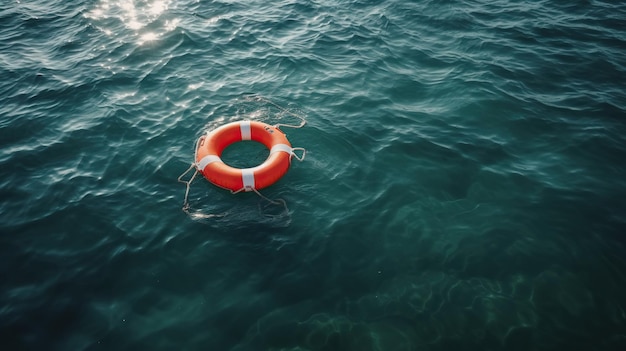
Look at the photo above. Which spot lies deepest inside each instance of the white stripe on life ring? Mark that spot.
(207, 160)
(246, 131)
(247, 176)
(281, 147)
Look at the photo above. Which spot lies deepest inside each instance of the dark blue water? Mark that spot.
(463, 188)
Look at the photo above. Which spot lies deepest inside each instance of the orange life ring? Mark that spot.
(211, 145)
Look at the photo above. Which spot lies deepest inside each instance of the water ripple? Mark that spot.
(462, 188)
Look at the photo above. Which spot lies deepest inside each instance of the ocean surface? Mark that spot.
(464, 185)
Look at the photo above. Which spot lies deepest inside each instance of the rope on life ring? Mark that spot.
(208, 162)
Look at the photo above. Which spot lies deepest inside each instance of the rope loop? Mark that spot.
(273, 202)
(187, 184)
(283, 111)
(302, 123)
(293, 153)
(186, 207)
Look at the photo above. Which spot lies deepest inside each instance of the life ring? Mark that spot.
(210, 146)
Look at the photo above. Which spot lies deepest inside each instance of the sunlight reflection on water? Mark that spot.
(134, 15)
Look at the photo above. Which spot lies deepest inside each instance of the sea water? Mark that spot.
(463, 186)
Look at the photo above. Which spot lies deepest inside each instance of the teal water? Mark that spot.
(463, 187)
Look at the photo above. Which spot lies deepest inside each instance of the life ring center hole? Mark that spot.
(245, 154)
